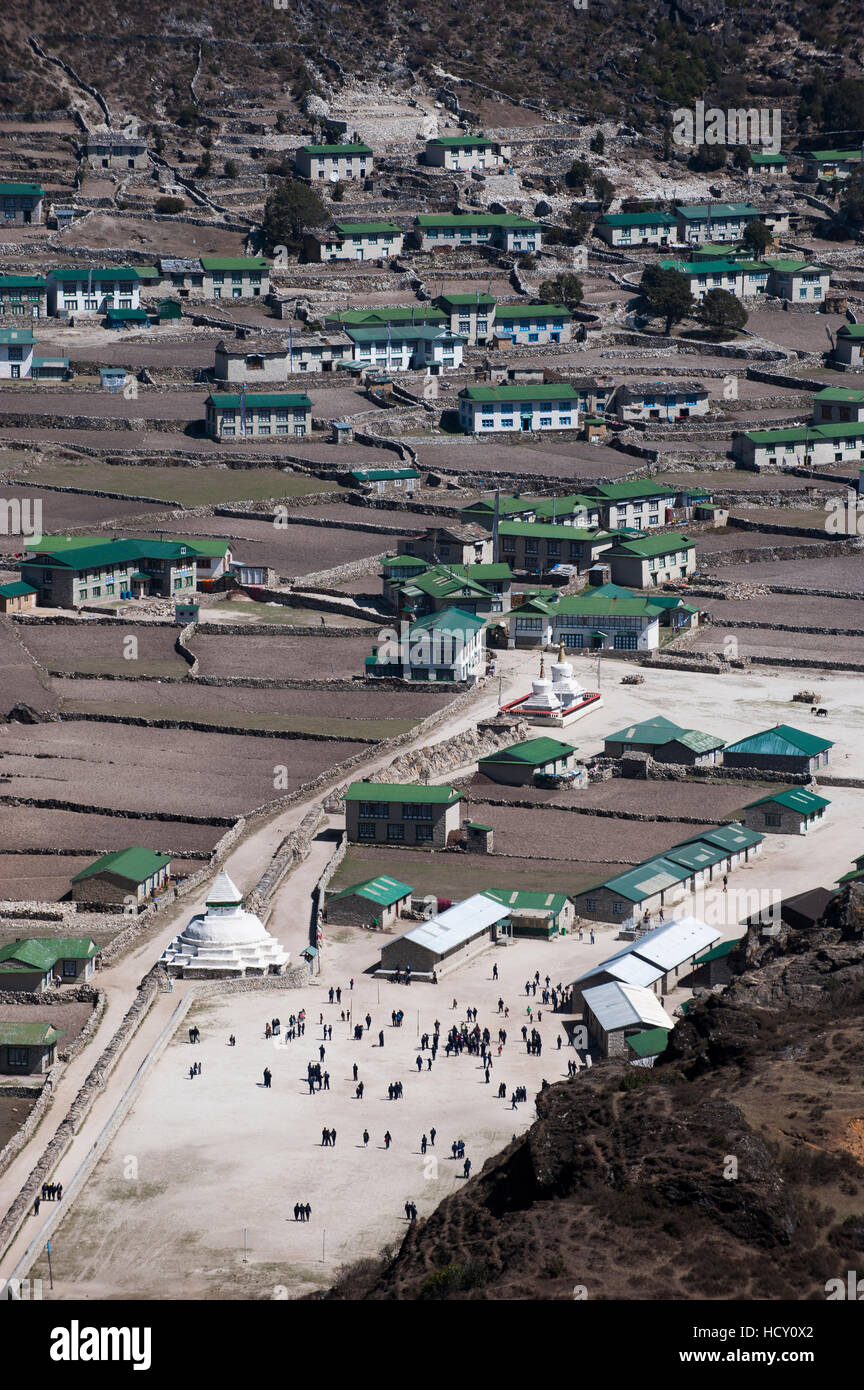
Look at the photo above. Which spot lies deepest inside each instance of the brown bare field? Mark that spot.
(179, 771)
(709, 800)
(572, 460)
(290, 550)
(839, 572)
(722, 480)
(560, 835)
(730, 538)
(457, 876)
(69, 1018)
(149, 404)
(166, 238)
(38, 877)
(13, 1112)
(370, 714)
(809, 646)
(798, 609)
(34, 827)
(282, 656)
(98, 650)
(63, 510)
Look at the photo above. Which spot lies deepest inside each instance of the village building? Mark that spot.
(235, 277)
(472, 316)
(37, 963)
(781, 749)
(791, 812)
(16, 353)
(847, 347)
(449, 645)
(384, 480)
(464, 543)
(376, 902)
(397, 315)
(478, 589)
(334, 162)
(268, 360)
(798, 281)
(462, 153)
(829, 164)
(615, 1012)
(251, 415)
(397, 813)
(123, 878)
(537, 547)
(661, 400)
(587, 621)
(638, 504)
(504, 231)
(520, 764)
(92, 291)
(701, 222)
(354, 241)
(17, 597)
(535, 914)
(667, 742)
(636, 228)
(27, 1048)
(443, 943)
(110, 149)
(651, 560)
(410, 348)
(515, 409)
(741, 278)
(25, 296)
(807, 445)
(21, 204)
(574, 509)
(99, 570)
(521, 324)
(224, 942)
(837, 405)
(555, 700)
(714, 967)
(774, 164)
(656, 960)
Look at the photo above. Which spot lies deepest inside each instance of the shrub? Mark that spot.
(168, 204)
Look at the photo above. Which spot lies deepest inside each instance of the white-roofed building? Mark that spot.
(225, 941)
(448, 940)
(653, 961)
(614, 1010)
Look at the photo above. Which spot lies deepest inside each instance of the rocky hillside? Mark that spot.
(626, 1186)
(154, 58)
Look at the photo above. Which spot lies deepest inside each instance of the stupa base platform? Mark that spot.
(554, 719)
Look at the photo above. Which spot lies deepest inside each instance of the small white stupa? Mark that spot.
(558, 701)
(225, 940)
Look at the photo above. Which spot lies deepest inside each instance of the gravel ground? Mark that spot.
(62, 510)
(740, 480)
(792, 330)
(168, 238)
(290, 550)
(282, 656)
(179, 771)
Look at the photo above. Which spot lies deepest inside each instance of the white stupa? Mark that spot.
(225, 940)
(558, 701)
(565, 687)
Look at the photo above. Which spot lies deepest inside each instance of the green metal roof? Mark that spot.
(658, 730)
(462, 142)
(466, 301)
(526, 900)
(795, 799)
(404, 333)
(841, 395)
(127, 315)
(544, 391)
(650, 1042)
(382, 890)
(474, 219)
(226, 400)
(452, 620)
(400, 313)
(109, 553)
(705, 267)
(136, 864)
(366, 228)
(716, 211)
(551, 530)
(603, 606)
(35, 1034)
(787, 266)
(335, 149)
(234, 263)
(10, 190)
(404, 793)
(720, 951)
(382, 475)
(534, 752)
(828, 156)
(784, 740)
(530, 311)
(851, 330)
(22, 282)
(638, 488)
(636, 219)
(759, 158)
(732, 837)
(85, 273)
(43, 952)
(16, 590)
(647, 546)
(646, 879)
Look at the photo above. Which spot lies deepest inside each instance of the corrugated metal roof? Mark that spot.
(458, 924)
(620, 1006)
(675, 942)
(783, 739)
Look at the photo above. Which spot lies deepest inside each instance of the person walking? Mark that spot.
(494, 972)
(356, 1071)
(326, 1081)
(307, 1212)
(365, 1138)
(423, 1143)
(296, 1211)
(433, 1131)
(466, 1171)
(388, 1139)
(381, 1039)
(38, 1199)
(267, 1078)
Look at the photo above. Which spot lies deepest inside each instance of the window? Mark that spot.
(618, 908)
(773, 818)
(564, 420)
(70, 969)
(395, 831)
(18, 1056)
(373, 808)
(545, 421)
(417, 811)
(365, 830)
(591, 904)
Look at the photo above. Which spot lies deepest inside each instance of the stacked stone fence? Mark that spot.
(289, 853)
(742, 555)
(199, 726)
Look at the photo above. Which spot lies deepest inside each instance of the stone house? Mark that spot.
(449, 645)
(378, 902)
(535, 914)
(93, 291)
(354, 241)
(504, 231)
(266, 360)
(334, 162)
(98, 570)
(16, 353)
(521, 324)
(661, 400)
(847, 348)
(472, 316)
(651, 560)
(17, 597)
(462, 542)
(792, 812)
(701, 222)
(636, 228)
(401, 814)
(639, 504)
(666, 741)
(838, 405)
(518, 765)
(515, 409)
(616, 1011)
(24, 296)
(21, 204)
(123, 878)
(536, 547)
(808, 445)
(249, 415)
(43, 962)
(587, 621)
(27, 1048)
(781, 749)
(829, 164)
(798, 281)
(462, 153)
(108, 149)
(443, 943)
